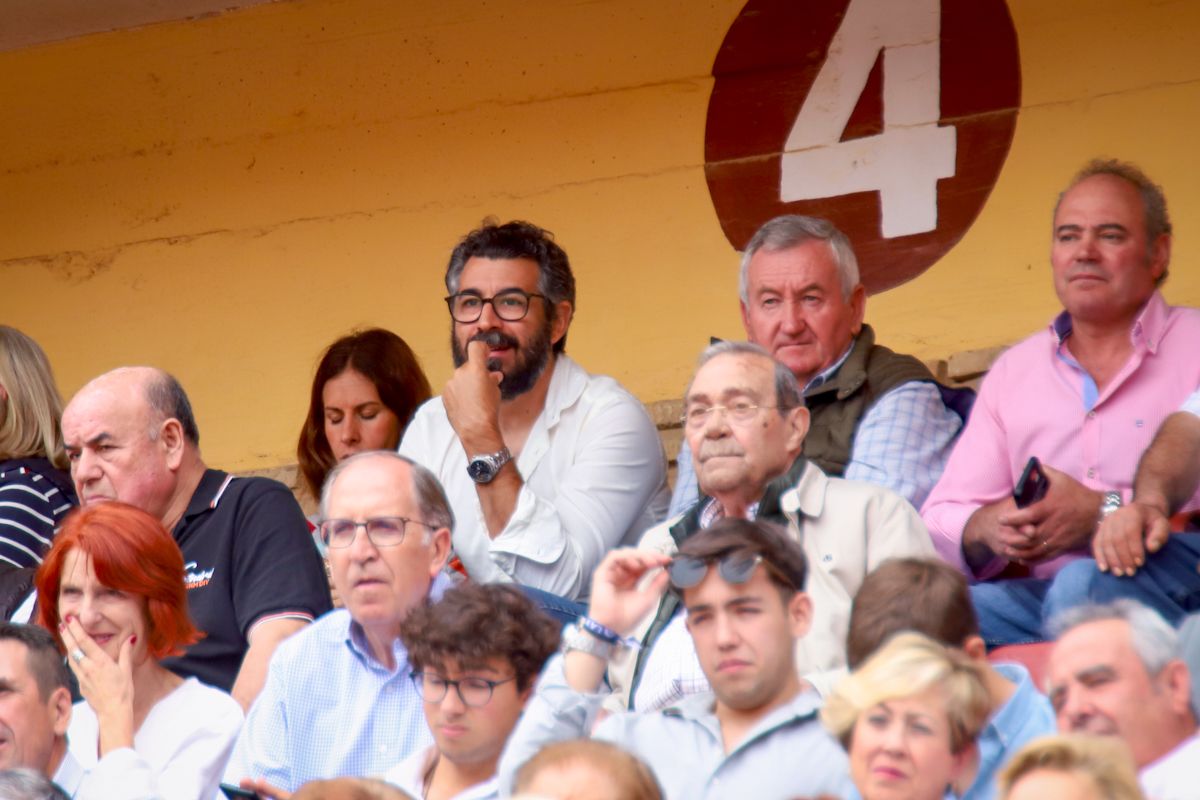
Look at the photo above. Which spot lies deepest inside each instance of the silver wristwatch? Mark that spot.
(576, 638)
(485, 467)
(1110, 503)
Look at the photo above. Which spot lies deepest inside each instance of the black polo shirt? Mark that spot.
(248, 557)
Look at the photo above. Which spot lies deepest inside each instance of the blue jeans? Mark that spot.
(560, 608)
(1017, 611)
(1167, 582)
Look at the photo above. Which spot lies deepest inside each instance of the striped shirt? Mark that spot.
(32, 506)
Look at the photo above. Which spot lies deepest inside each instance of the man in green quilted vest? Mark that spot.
(877, 415)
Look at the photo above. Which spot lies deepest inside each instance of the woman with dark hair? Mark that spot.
(367, 387)
(112, 592)
(35, 490)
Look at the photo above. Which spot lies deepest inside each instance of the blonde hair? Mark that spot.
(630, 776)
(31, 416)
(907, 665)
(1106, 761)
(350, 789)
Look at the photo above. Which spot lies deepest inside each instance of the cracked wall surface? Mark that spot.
(223, 197)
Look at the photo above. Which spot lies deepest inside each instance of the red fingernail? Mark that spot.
(133, 640)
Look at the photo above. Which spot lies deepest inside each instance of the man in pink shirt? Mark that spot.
(1084, 397)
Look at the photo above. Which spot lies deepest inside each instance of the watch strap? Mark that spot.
(576, 638)
(1109, 503)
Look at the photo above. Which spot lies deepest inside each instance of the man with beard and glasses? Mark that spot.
(547, 467)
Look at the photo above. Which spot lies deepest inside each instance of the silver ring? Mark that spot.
(78, 655)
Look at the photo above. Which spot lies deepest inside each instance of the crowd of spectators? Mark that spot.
(865, 585)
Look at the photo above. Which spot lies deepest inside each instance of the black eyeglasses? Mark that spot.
(474, 692)
(382, 531)
(735, 567)
(511, 305)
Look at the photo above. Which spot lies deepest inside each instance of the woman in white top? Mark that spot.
(112, 590)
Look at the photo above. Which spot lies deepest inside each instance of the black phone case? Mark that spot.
(1032, 486)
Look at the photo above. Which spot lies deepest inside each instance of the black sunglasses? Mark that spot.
(735, 567)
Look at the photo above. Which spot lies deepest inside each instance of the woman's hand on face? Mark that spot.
(107, 685)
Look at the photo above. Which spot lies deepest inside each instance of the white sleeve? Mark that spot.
(1192, 404)
(618, 467)
(191, 771)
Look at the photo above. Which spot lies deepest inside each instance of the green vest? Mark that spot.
(837, 406)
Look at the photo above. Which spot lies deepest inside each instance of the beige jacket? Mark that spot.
(846, 529)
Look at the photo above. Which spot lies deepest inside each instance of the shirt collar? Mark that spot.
(1148, 327)
(69, 774)
(356, 638)
(826, 375)
(702, 709)
(713, 511)
(212, 486)
(1013, 714)
(566, 385)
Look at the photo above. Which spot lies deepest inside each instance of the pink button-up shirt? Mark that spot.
(1037, 401)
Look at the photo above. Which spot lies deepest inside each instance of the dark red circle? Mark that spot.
(763, 72)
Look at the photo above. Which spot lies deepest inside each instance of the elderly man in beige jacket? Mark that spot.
(745, 422)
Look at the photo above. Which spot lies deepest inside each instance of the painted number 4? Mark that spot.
(906, 160)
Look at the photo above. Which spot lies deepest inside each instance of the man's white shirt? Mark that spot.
(594, 474)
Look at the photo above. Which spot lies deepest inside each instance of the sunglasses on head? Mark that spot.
(735, 567)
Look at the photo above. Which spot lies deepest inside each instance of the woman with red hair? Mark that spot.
(111, 590)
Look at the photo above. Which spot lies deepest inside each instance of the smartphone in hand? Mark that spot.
(236, 793)
(1032, 485)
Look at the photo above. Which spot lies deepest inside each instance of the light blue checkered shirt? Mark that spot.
(330, 709)
(902, 443)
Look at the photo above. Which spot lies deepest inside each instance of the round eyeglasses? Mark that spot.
(511, 305)
(382, 531)
(474, 692)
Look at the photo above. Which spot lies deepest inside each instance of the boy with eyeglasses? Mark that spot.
(756, 734)
(474, 655)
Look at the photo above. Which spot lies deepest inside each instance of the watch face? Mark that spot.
(480, 470)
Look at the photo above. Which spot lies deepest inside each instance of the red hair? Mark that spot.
(132, 552)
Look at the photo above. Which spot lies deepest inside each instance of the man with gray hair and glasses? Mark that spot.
(745, 421)
(1115, 670)
(339, 698)
(876, 415)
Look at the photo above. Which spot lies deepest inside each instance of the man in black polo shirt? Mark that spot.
(252, 572)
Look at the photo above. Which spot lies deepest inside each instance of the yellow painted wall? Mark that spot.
(223, 197)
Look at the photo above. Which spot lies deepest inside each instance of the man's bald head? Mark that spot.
(128, 433)
(161, 392)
